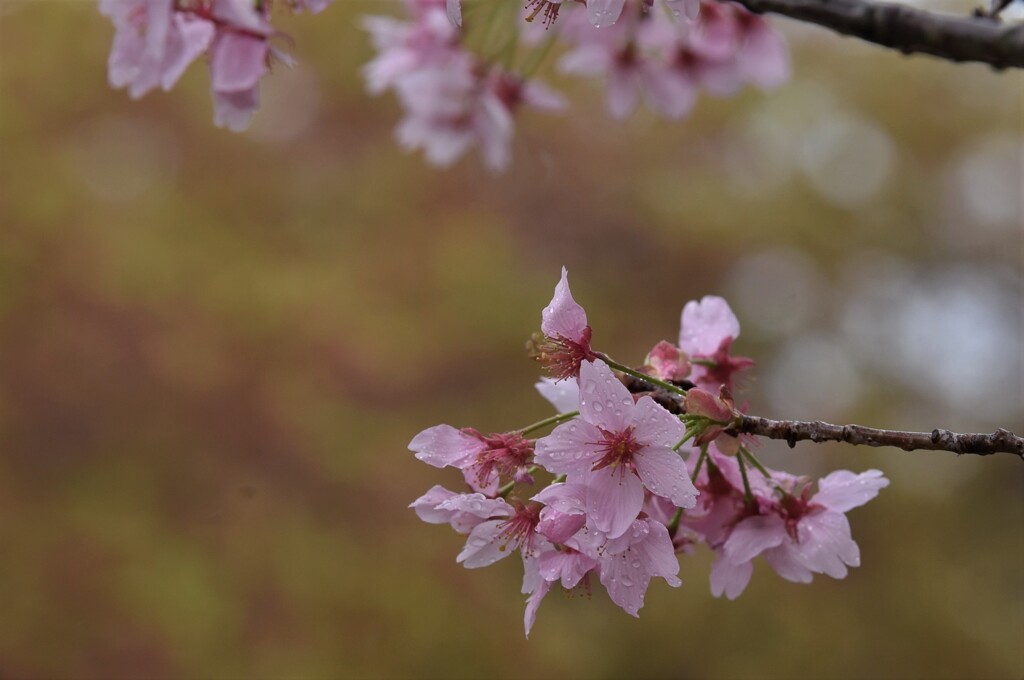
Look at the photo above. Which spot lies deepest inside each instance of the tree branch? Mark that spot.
(974, 38)
(792, 431)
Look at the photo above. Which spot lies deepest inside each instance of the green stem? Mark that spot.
(744, 451)
(688, 437)
(746, 484)
(643, 376)
(553, 420)
(673, 526)
(504, 491)
(700, 463)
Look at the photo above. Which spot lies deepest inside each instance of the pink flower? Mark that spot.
(484, 459)
(667, 362)
(616, 448)
(798, 534)
(629, 56)
(566, 342)
(707, 330)
(153, 44)
(405, 47)
(628, 564)
(625, 566)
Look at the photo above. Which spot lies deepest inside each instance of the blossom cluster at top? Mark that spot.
(460, 80)
(156, 40)
(629, 484)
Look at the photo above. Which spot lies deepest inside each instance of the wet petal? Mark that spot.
(705, 324)
(444, 445)
(843, 490)
(604, 400)
(563, 317)
(614, 499)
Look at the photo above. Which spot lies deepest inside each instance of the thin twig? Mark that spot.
(907, 29)
(793, 431)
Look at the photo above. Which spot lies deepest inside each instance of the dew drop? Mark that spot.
(636, 564)
(626, 581)
(598, 406)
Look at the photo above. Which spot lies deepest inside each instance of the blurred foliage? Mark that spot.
(214, 349)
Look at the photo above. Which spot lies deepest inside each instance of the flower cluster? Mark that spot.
(668, 58)
(453, 99)
(630, 484)
(156, 40)
(456, 98)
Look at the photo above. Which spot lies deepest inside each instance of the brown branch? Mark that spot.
(792, 431)
(972, 38)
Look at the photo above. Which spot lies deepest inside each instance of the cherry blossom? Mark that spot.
(617, 448)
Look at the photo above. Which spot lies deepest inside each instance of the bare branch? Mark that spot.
(792, 431)
(972, 38)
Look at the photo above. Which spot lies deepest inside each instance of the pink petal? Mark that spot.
(454, 10)
(559, 527)
(729, 578)
(426, 505)
(477, 504)
(564, 395)
(843, 490)
(657, 555)
(238, 62)
(443, 445)
(614, 499)
(189, 38)
(764, 59)
(604, 12)
(626, 581)
(604, 400)
(484, 547)
(655, 426)
(753, 536)
(664, 473)
(563, 317)
(234, 110)
(569, 449)
(567, 567)
(705, 324)
(566, 498)
(825, 544)
(532, 604)
(783, 560)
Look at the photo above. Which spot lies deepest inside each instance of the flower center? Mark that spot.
(560, 356)
(520, 528)
(617, 450)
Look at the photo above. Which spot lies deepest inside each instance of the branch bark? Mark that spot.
(792, 431)
(972, 38)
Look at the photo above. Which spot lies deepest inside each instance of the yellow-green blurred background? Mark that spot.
(214, 349)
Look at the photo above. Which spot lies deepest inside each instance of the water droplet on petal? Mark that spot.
(598, 406)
